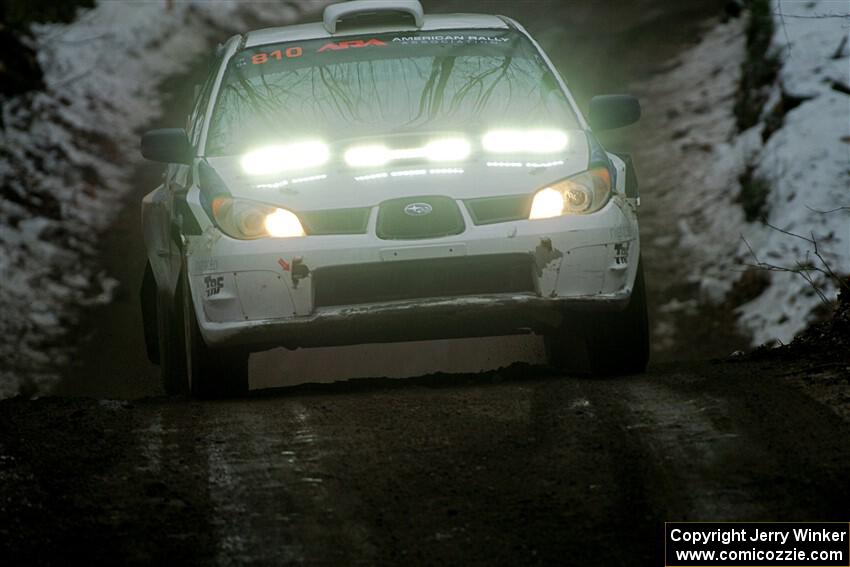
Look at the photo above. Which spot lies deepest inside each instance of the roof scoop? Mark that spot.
(334, 13)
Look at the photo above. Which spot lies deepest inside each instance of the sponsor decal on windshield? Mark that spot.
(288, 53)
(419, 39)
(426, 42)
(351, 43)
(296, 52)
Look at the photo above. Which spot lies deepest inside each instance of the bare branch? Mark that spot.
(813, 16)
(805, 270)
(750, 248)
(777, 229)
(784, 29)
(828, 269)
(829, 211)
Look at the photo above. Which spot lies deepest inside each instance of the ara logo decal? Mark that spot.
(350, 43)
(418, 209)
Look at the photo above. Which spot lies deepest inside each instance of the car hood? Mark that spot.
(337, 186)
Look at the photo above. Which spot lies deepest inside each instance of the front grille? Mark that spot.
(416, 279)
(499, 209)
(336, 221)
(438, 216)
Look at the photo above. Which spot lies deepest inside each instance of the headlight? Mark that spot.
(247, 220)
(539, 141)
(269, 160)
(579, 195)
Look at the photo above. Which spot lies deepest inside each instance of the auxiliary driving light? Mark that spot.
(537, 141)
(368, 156)
(283, 157)
(377, 155)
(448, 149)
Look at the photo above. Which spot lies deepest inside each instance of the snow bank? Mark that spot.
(67, 153)
(805, 164)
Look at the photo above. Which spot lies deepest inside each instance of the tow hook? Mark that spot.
(299, 271)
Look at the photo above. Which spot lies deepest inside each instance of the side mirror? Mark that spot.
(167, 145)
(608, 112)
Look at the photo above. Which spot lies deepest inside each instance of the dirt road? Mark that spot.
(518, 467)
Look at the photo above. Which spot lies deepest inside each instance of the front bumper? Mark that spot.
(262, 294)
(426, 319)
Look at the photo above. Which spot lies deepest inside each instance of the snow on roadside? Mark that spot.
(805, 163)
(67, 154)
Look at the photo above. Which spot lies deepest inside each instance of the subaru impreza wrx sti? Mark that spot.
(385, 176)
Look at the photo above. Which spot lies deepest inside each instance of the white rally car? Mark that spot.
(387, 176)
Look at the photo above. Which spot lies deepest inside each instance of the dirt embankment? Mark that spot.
(827, 346)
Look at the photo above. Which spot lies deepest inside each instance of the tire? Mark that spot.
(616, 343)
(172, 355)
(211, 372)
(150, 323)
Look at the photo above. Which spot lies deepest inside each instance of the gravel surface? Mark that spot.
(512, 467)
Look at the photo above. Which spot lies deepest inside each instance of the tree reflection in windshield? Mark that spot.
(352, 98)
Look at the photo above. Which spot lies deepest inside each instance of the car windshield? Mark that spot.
(384, 84)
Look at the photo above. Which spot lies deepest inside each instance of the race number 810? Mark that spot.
(288, 53)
